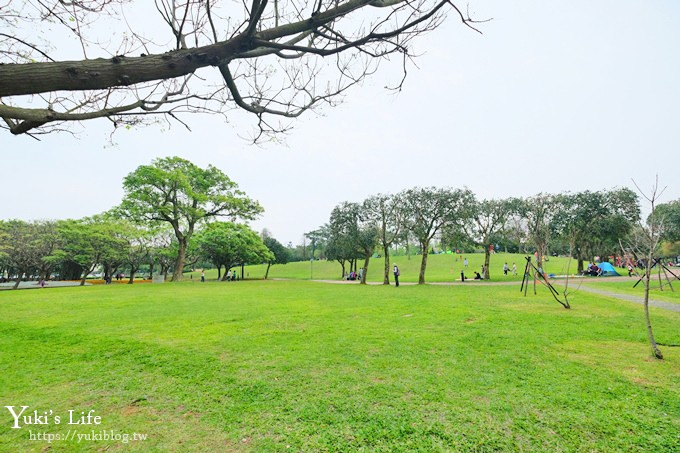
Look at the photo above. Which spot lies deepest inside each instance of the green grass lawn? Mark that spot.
(305, 366)
(440, 268)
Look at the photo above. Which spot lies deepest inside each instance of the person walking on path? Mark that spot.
(396, 274)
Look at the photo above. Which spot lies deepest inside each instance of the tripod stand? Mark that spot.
(539, 276)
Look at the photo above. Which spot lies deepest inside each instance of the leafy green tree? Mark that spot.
(229, 244)
(486, 218)
(428, 211)
(137, 250)
(183, 195)
(538, 212)
(19, 248)
(317, 239)
(87, 243)
(25, 245)
(594, 222)
(280, 254)
(387, 214)
(669, 213)
(343, 228)
(4, 264)
(163, 249)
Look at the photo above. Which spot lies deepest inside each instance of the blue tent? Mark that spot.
(608, 270)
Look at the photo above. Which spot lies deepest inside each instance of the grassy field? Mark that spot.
(440, 268)
(305, 366)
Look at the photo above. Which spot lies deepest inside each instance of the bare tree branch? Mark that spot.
(272, 61)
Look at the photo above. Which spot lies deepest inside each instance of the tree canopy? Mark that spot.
(271, 59)
(228, 244)
(428, 210)
(669, 216)
(174, 191)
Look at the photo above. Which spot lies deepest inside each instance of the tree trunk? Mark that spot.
(363, 274)
(386, 278)
(579, 266)
(178, 273)
(342, 263)
(539, 258)
(656, 352)
(266, 273)
(17, 282)
(133, 271)
(487, 260)
(423, 263)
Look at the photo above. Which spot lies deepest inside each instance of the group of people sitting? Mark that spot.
(593, 270)
(353, 275)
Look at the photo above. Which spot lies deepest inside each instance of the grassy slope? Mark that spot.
(268, 365)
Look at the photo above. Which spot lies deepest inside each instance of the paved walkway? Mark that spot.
(36, 285)
(630, 298)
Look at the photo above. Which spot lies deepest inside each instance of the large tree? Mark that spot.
(272, 59)
(280, 254)
(539, 212)
(87, 243)
(19, 248)
(229, 244)
(343, 230)
(163, 250)
(428, 210)
(317, 239)
(592, 223)
(387, 214)
(26, 245)
(485, 219)
(175, 191)
(669, 213)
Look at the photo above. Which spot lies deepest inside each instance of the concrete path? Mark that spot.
(36, 285)
(630, 298)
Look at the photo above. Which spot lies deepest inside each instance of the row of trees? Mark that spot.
(168, 218)
(581, 225)
(74, 249)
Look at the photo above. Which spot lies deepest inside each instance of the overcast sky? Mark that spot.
(554, 96)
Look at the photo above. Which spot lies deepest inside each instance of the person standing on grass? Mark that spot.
(202, 276)
(514, 269)
(505, 269)
(396, 274)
